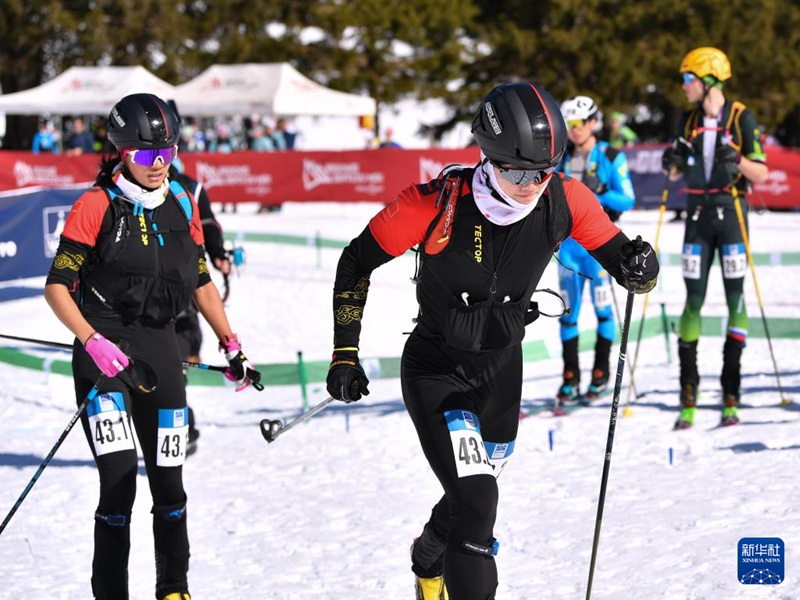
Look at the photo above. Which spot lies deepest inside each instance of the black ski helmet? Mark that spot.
(142, 121)
(520, 124)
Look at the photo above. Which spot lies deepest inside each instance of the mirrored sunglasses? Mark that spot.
(147, 157)
(576, 123)
(688, 78)
(523, 177)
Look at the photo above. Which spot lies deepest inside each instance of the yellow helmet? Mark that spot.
(707, 61)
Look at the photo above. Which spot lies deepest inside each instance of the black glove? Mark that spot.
(594, 184)
(639, 266)
(729, 158)
(671, 159)
(346, 378)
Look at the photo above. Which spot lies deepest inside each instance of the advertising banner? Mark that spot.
(368, 175)
(30, 225)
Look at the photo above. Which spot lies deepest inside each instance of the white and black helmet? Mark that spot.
(583, 108)
(519, 124)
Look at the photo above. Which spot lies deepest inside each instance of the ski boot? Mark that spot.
(730, 410)
(569, 392)
(431, 588)
(427, 564)
(178, 596)
(688, 406)
(598, 386)
(690, 380)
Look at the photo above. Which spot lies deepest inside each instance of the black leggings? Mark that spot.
(118, 468)
(435, 380)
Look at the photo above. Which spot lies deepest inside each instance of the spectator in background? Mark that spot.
(278, 141)
(388, 139)
(620, 135)
(260, 141)
(222, 142)
(81, 141)
(289, 134)
(45, 139)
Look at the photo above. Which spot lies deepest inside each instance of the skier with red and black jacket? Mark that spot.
(485, 236)
(129, 260)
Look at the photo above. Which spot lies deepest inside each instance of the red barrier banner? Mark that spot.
(353, 176)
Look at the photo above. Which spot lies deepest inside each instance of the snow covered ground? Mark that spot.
(329, 509)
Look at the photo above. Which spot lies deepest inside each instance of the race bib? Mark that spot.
(468, 448)
(690, 259)
(108, 423)
(499, 454)
(173, 432)
(734, 261)
(602, 294)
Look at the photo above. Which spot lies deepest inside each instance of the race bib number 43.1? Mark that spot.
(173, 431)
(109, 424)
(468, 448)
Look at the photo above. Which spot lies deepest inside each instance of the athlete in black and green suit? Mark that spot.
(719, 153)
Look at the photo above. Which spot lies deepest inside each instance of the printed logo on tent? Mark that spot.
(316, 174)
(53, 220)
(761, 561)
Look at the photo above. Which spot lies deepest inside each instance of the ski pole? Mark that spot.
(630, 370)
(739, 215)
(271, 429)
(89, 397)
(257, 385)
(623, 348)
(626, 411)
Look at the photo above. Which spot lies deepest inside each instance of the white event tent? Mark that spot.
(269, 89)
(84, 91)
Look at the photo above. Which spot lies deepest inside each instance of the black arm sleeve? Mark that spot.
(610, 256)
(212, 230)
(362, 256)
(69, 259)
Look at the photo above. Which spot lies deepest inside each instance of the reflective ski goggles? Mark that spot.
(688, 78)
(523, 177)
(147, 157)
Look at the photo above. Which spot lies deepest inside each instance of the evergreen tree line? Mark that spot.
(625, 54)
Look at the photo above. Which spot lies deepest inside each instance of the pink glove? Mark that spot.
(108, 358)
(240, 371)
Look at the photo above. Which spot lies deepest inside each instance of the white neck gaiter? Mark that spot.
(493, 202)
(136, 194)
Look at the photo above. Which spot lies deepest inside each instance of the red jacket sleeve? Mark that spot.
(86, 217)
(403, 222)
(591, 227)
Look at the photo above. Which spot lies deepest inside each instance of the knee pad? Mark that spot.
(172, 513)
(118, 520)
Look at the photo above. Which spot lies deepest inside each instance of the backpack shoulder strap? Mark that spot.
(690, 125)
(442, 224)
(611, 153)
(559, 218)
(737, 108)
(183, 198)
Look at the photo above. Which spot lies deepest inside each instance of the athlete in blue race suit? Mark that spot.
(604, 170)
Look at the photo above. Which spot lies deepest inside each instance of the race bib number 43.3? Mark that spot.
(109, 424)
(468, 448)
(173, 431)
